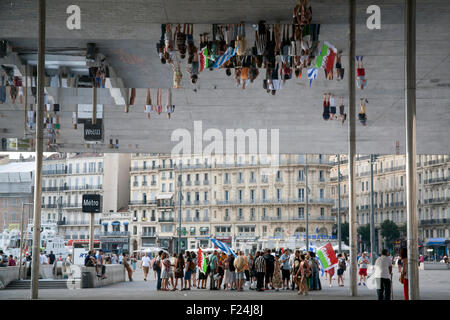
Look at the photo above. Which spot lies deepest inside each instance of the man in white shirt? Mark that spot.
(383, 273)
(43, 259)
(145, 264)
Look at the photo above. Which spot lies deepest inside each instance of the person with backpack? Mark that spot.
(270, 265)
(89, 260)
(232, 269)
(212, 269)
(314, 280)
(342, 266)
(194, 269)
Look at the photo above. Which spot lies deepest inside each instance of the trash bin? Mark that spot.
(86, 281)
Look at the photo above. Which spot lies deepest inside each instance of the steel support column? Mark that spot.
(352, 150)
(372, 215)
(339, 232)
(39, 152)
(307, 202)
(91, 231)
(411, 169)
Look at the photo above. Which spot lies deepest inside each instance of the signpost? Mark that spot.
(91, 204)
(93, 132)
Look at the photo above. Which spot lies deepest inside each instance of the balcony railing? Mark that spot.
(434, 221)
(205, 182)
(436, 180)
(437, 200)
(188, 182)
(165, 219)
(85, 187)
(141, 202)
(197, 182)
(149, 234)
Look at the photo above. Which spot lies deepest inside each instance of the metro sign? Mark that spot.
(93, 132)
(91, 203)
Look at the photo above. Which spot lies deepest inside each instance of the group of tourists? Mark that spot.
(266, 270)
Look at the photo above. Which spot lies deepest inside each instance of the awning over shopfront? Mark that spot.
(436, 242)
(115, 223)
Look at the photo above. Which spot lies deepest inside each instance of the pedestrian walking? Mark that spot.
(383, 275)
(363, 262)
(404, 273)
(145, 265)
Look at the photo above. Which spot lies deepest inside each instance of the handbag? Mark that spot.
(401, 278)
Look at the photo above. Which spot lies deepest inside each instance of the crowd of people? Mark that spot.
(266, 270)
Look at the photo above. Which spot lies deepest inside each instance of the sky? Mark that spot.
(16, 155)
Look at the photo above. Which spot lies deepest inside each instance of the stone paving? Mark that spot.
(434, 285)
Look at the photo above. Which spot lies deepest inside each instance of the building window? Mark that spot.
(301, 175)
(301, 195)
(322, 212)
(301, 213)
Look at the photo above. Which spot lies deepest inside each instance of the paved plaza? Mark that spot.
(434, 285)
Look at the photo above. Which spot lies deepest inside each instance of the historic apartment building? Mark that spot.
(389, 179)
(66, 177)
(241, 199)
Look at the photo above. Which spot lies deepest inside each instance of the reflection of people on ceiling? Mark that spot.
(362, 114)
(361, 80)
(326, 107)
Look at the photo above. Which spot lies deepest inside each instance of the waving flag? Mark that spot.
(327, 257)
(326, 58)
(203, 57)
(202, 261)
(220, 61)
(312, 75)
(222, 246)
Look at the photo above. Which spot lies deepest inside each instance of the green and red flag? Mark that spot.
(203, 58)
(327, 256)
(327, 56)
(202, 260)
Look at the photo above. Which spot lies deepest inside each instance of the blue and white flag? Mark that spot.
(312, 74)
(220, 61)
(222, 246)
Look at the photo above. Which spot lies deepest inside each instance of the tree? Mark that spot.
(364, 232)
(389, 231)
(344, 232)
